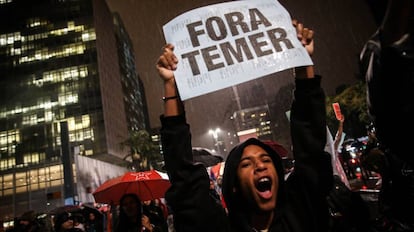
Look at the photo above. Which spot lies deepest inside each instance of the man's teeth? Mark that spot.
(264, 179)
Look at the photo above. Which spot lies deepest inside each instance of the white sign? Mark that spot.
(225, 44)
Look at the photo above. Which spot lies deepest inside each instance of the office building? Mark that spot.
(65, 71)
(253, 122)
(134, 92)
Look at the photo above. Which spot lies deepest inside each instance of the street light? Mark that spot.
(215, 136)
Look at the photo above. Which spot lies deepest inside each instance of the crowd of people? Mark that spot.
(254, 193)
(257, 197)
(131, 215)
(75, 219)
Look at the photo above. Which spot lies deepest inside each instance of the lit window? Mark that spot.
(89, 35)
(10, 39)
(48, 116)
(5, 1)
(3, 40)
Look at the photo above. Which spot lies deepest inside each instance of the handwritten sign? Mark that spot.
(225, 44)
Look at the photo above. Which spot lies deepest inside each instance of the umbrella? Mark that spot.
(66, 208)
(206, 156)
(147, 185)
(83, 209)
(90, 208)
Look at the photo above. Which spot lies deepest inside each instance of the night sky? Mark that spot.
(341, 26)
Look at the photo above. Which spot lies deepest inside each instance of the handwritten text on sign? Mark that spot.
(230, 43)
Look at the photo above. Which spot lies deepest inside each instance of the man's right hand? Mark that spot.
(167, 63)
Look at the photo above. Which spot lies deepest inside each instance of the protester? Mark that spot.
(213, 192)
(131, 217)
(29, 222)
(63, 222)
(93, 223)
(155, 215)
(332, 147)
(339, 136)
(387, 61)
(256, 195)
(347, 209)
(170, 220)
(78, 221)
(130, 214)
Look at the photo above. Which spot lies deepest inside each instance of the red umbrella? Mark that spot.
(147, 185)
(277, 147)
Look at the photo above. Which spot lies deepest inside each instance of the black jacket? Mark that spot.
(301, 199)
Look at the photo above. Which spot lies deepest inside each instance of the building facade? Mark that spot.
(134, 92)
(253, 122)
(61, 64)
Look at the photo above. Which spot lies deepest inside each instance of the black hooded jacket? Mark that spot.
(301, 203)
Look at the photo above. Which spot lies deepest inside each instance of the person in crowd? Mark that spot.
(78, 221)
(332, 147)
(349, 212)
(147, 225)
(160, 202)
(155, 215)
(387, 61)
(131, 217)
(63, 222)
(130, 214)
(170, 219)
(213, 191)
(93, 223)
(27, 223)
(256, 195)
(339, 136)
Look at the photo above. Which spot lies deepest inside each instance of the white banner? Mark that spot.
(225, 44)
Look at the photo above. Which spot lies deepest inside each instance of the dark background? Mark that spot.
(341, 26)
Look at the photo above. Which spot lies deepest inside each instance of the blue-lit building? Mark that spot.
(62, 62)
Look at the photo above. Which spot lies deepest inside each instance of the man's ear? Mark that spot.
(234, 189)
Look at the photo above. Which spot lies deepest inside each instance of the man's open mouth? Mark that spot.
(264, 184)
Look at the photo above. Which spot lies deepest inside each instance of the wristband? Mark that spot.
(169, 98)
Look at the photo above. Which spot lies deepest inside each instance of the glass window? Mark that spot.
(21, 179)
(22, 189)
(55, 183)
(7, 191)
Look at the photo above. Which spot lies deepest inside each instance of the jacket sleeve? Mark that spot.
(192, 207)
(308, 129)
(312, 178)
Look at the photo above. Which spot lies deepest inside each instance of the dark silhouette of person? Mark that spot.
(387, 61)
